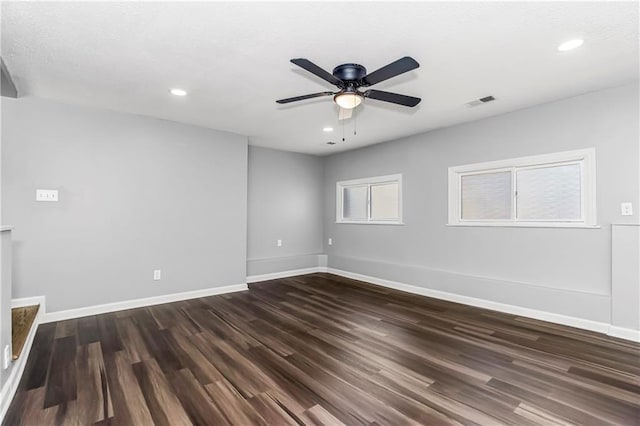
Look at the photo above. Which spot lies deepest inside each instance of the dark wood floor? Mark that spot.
(321, 349)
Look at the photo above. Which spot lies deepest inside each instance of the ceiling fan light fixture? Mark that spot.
(348, 100)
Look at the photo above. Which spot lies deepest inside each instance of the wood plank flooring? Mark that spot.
(321, 349)
(21, 322)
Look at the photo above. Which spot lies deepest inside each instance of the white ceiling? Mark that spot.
(233, 58)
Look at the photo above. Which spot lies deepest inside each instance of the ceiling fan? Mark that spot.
(350, 77)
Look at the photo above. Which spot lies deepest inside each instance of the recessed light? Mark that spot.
(570, 45)
(327, 129)
(178, 92)
(480, 101)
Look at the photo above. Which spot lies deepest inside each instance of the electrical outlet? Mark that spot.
(157, 275)
(279, 243)
(626, 209)
(6, 359)
(330, 241)
(46, 195)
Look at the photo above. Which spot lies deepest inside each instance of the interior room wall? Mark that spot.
(558, 270)
(136, 194)
(5, 305)
(285, 193)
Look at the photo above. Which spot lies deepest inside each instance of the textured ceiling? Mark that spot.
(233, 58)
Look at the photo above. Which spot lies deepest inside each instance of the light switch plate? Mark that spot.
(330, 241)
(46, 195)
(279, 243)
(157, 275)
(626, 209)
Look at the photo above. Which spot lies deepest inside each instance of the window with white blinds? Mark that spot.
(546, 190)
(376, 200)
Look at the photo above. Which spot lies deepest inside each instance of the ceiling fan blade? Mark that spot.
(398, 67)
(394, 98)
(314, 69)
(303, 97)
(345, 113)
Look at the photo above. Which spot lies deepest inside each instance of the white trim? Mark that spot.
(624, 333)
(586, 158)
(285, 274)
(30, 301)
(371, 222)
(139, 303)
(586, 324)
(368, 182)
(527, 224)
(531, 160)
(11, 384)
(371, 180)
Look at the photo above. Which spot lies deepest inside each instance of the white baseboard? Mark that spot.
(30, 301)
(285, 274)
(599, 327)
(138, 303)
(11, 385)
(624, 333)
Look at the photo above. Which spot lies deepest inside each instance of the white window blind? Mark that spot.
(486, 196)
(549, 193)
(385, 199)
(355, 203)
(376, 200)
(547, 190)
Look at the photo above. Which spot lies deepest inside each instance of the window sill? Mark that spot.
(373, 222)
(525, 225)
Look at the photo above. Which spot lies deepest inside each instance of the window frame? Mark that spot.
(585, 157)
(368, 183)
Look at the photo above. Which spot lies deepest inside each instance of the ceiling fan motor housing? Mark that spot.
(349, 78)
(350, 72)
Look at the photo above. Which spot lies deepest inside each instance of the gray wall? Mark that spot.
(285, 202)
(5, 302)
(625, 259)
(566, 271)
(136, 194)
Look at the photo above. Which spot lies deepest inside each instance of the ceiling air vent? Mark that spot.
(480, 101)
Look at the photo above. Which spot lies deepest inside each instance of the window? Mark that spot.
(375, 200)
(553, 190)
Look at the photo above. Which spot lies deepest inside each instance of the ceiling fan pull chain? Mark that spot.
(355, 123)
(342, 130)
